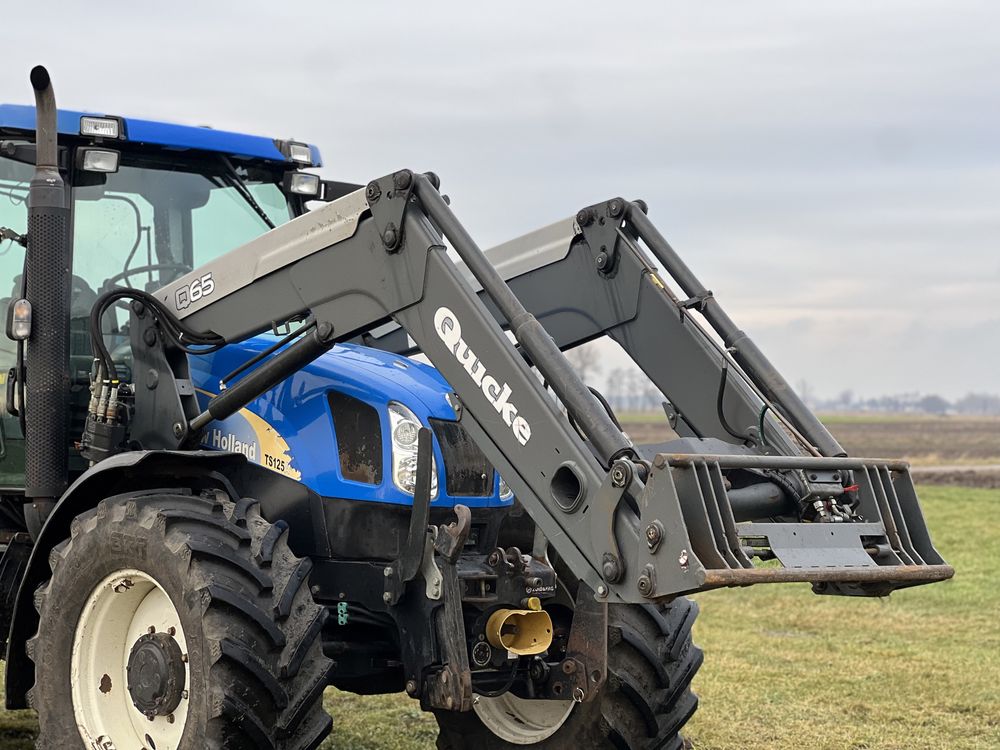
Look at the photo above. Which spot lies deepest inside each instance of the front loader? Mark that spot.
(267, 508)
(750, 456)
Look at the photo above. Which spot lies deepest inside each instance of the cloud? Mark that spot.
(831, 169)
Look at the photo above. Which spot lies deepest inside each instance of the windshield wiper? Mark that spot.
(234, 180)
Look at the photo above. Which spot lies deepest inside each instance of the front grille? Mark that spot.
(359, 438)
(467, 472)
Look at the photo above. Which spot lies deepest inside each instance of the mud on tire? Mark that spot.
(255, 665)
(643, 705)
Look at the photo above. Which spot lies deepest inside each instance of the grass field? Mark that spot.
(787, 670)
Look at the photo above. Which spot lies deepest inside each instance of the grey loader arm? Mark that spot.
(631, 529)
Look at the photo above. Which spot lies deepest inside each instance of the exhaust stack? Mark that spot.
(47, 278)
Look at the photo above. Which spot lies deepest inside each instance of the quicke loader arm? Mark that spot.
(633, 530)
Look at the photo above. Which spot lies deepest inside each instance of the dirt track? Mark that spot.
(986, 476)
(957, 451)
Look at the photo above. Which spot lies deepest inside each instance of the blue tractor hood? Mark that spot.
(291, 429)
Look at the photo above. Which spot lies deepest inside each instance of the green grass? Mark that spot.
(787, 670)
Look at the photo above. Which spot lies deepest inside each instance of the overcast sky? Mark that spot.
(830, 170)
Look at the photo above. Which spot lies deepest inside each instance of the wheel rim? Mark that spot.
(521, 721)
(129, 623)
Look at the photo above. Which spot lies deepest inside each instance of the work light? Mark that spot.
(302, 183)
(100, 127)
(97, 159)
(300, 152)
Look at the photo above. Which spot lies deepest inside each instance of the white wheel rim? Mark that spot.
(122, 608)
(521, 721)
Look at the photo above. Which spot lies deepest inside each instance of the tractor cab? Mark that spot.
(149, 201)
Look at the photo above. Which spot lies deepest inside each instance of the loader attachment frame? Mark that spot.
(631, 529)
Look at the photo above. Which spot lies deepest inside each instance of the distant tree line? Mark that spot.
(971, 404)
(628, 389)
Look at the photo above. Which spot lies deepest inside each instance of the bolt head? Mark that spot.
(610, 570)
(652, 533)
(178, 429)
(615, 208)
(683, 558)
(601, 260)
(387, 571)
(644, 585)
(390, 237)
(584, 217)
(619, 476)
(373, 192)
(602, 590)
(386, 597)
(411, 687)
(402, 180)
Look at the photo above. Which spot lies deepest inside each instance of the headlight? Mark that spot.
(505, 491)
(404, 426)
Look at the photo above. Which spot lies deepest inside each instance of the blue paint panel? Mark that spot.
(165, 134)
(299, 412)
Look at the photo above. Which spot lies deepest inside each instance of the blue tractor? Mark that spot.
(227, 482)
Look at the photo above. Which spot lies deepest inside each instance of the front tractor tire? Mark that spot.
(645, 702)
(178, 621)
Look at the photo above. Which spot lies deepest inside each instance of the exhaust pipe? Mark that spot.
(47, 279)
(524, 632)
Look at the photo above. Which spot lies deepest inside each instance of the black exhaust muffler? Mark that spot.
(47, 278)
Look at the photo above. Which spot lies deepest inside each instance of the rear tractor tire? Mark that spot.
(176, 621)
(645, 702)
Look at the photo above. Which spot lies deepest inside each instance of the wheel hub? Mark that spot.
(156, 674)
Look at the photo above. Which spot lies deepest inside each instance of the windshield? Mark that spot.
(150, 223)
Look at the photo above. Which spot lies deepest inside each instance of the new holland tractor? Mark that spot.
(228, 483)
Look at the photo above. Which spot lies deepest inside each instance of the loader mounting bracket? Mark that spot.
(599, 225)
(584, 669)
(388, 198)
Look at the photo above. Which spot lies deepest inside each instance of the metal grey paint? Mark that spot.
(272, 251)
